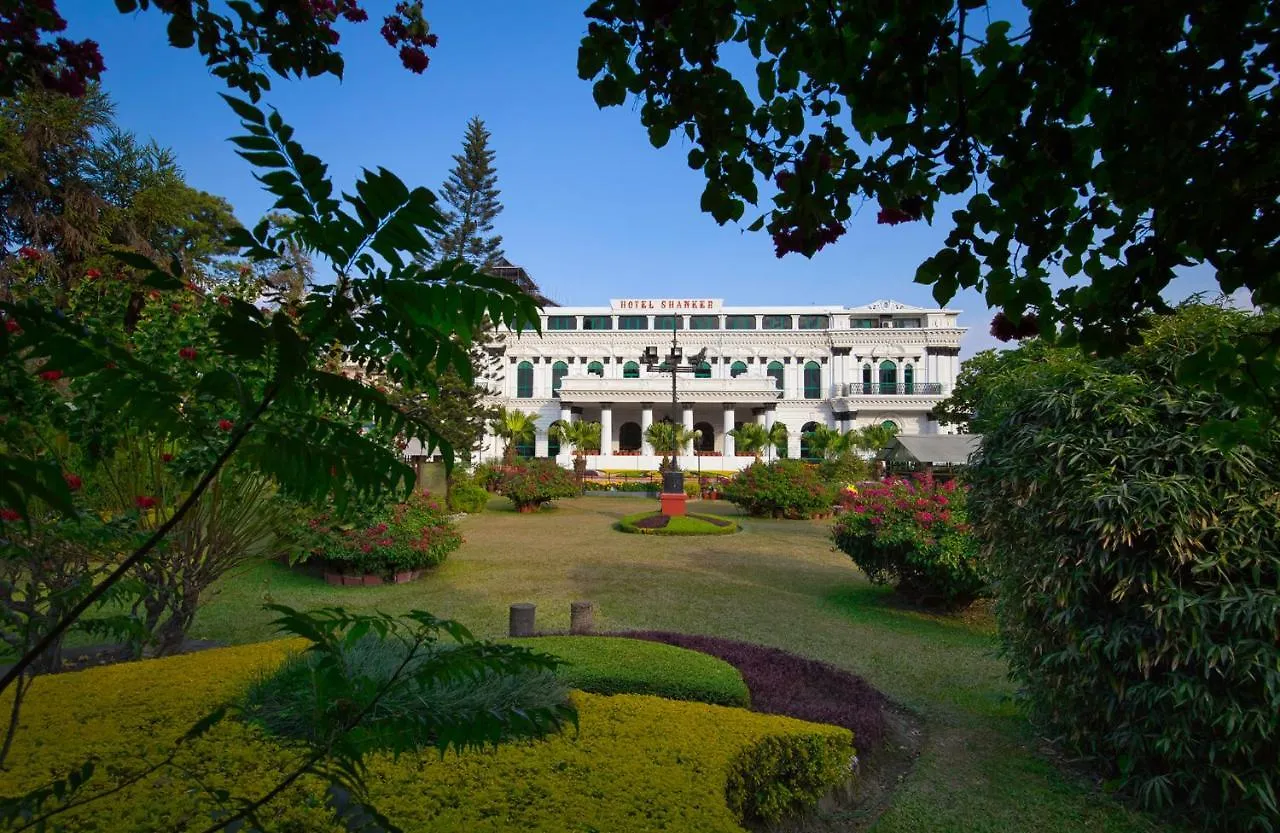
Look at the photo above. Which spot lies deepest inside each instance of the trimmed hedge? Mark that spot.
(612, 665)
(637, 764)
(792, 685)
(692, 524)
(784, 489)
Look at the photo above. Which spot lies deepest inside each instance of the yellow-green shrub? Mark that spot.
(638, 763)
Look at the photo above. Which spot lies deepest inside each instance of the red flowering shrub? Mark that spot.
(51, 375)
(408, 536)
(225, 425)
(74, 483)
(10, 515)
(785, 489)
(914, 534)
(11, 325)
(93, 274)
(145, 502)
(188, 353)
(537, 482)
(28, 253)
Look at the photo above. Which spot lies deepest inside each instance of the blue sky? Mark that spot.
(592, 210)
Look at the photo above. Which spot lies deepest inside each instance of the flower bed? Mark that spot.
(656, 523)
(638, 763)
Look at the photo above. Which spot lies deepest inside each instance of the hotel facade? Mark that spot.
(843, 367)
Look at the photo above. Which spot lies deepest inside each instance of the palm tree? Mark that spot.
(514, 428)
(584, 437)
(670, 438)
(874, 437)
(825, 443)
(754, 438)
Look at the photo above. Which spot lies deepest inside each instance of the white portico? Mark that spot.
(843, 367)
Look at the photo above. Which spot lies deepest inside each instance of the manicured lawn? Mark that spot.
(777, 583)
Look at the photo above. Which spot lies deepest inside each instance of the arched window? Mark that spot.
(558, 371)
(596, 369)
(812, 380)
(866, 378)
(775, 372)
(553, 440)
(524, 380)
(707, 441)
(702, 371)
(908, 379)
(629, 436)
(888, 377)
(806, 451)
(737, 369)
(631, 370)
(888, 423)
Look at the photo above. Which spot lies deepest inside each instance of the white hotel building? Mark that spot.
(843, 367)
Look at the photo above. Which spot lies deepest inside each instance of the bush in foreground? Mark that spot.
(637, 764)
(535, 483)
(611, 665)
(914, 535)
(785, 489)
(1139, 566)
(408, 536)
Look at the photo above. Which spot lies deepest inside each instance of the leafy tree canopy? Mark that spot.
(1115, 143)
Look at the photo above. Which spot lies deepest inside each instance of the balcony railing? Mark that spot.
(888, 389)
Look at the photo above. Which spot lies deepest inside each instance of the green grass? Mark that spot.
(610, 665)
(692, 524)
(778, 583)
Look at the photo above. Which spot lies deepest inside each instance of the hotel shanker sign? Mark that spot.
(667, 304)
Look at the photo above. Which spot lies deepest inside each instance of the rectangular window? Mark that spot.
(740, 322)
(665, 322)
(562, 322)
(704, 322)
(864, 323)
(906, 322)
(776, 322)
(815, 322)
(633, 322)
(597, 322)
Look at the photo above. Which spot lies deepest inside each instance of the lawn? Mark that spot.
(777, 583)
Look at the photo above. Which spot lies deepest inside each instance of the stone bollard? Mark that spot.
(582, 617)
(522, 619)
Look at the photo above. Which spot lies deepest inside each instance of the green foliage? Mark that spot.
(472, 194)
(583, 436)
(781, 776)
(783, 489)
(1139, 566)
(467, 495)
(1039, 123)
(514, 428)
(406, 536)
(537, 482)
(914, 535)
(613, 665)
(844, 469)
(754, 438)
(416, 705)
(872, 437)
(693, 524)
(670, 439)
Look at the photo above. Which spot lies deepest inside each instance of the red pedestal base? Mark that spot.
(673, 505)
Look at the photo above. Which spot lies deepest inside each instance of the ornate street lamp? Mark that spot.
(673, 480)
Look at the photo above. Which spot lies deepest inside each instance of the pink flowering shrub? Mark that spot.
(914, 534)
(536, 482)
(408, 536)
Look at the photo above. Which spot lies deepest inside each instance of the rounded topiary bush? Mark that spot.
(536, 482)
(914, 535)
(467, 495)
(1139, 566)
(785, 489)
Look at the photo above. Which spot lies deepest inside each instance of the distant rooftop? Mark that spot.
(519, 276)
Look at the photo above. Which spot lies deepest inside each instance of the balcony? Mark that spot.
(888, 389)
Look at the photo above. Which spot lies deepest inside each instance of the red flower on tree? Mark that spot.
(144, 501)
(188, 353)
(30, 254)
(93, 274)
(166, 457)
(225, 425)
(11, 325)
(73, 482)
(9, 515)
(51, 375)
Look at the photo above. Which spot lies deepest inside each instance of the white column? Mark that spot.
(902, 365)
(770, 452)
(540, 442)
(606, 429)
(727, 443)
(761, 416)
(686, 418)
(646, 419)
(566, 416)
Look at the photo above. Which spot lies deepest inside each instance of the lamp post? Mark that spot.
(673, 480)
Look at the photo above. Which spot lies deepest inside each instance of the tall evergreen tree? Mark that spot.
(472, 194)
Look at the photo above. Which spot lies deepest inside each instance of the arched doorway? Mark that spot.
(629, 436)
(812, 380)
(706, 442)
(888, 377)
(774, 372)
(806, 451)
(553, 439)
(908, 379)
(559, 370)
(524, 380)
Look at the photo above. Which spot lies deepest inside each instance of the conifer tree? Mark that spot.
(471, 191)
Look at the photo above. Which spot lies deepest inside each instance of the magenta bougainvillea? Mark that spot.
(408, 536)
(915, 535)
